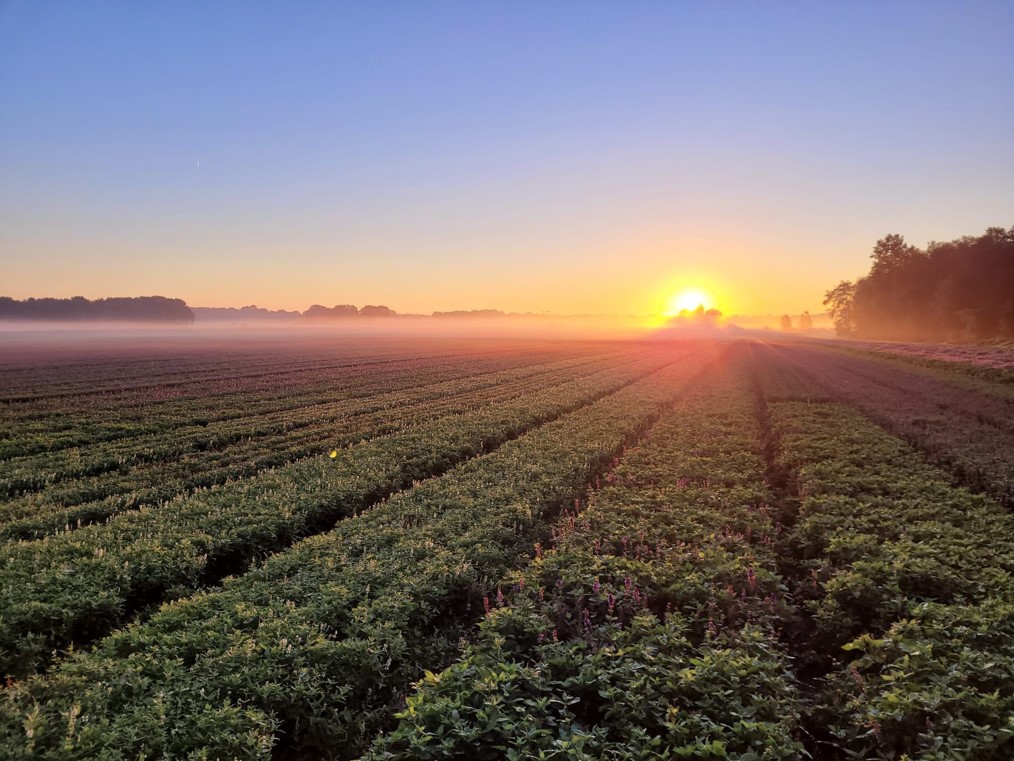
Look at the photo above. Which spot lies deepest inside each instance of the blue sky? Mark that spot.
(572, 157)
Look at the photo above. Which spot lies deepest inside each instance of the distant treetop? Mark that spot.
(78, 308)
(338, 310)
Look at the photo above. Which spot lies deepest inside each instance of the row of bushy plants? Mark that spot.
(308, 655)
(116, 379)
(71, 587)
(95, 498)
(962, 424)
(32, 473)
(86, 414)
(649, 631)
(909, 581)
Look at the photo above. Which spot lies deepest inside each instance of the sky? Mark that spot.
(569, 157)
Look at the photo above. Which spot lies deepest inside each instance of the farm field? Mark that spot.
(489, 549)
(999, 356)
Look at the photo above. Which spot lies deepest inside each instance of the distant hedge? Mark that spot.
(141, 308)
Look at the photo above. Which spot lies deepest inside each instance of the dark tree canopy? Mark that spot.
(371, 310)
(139, 309)
(961, 290)
(699, 317)
(838, 301)
(338, 310)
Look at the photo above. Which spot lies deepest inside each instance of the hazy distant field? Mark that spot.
(997, 356)
(316, 546)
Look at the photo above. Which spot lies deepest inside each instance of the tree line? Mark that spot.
(137, 309)
(349, 310)
(960, 290)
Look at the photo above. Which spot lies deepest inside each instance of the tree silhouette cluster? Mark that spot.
(699, 317)
(805, 322)
(341, 311)
(78, 308)
(252, 312)
(961, 290)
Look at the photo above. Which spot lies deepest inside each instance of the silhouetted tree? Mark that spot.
(337, 311)
(78, 308)
(805, 321)
(891, 252)
(839, 303)
(377, 311)
(786, 322)
(699, 317)
(963, 289)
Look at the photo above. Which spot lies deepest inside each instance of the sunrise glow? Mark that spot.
(688, 300)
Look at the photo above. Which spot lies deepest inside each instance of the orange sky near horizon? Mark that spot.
(641, 280)
(556, 158)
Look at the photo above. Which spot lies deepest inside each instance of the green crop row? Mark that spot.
(966, 431)
(780, 381)
(649, 631)
(72, 587)
(910, 584)
(43, 383)
(87, 500)
(30, 428)
(308, 655)
(35, 472)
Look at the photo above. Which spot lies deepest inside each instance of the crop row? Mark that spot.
(117, 369)
(306, 655)
(73, 586)
(59, 387)
(777, 380)
(991, 363)
(81, 420)
(181, 373)
(85, 501)
(35, 473)
(649, 631)
(966, 431)
(909, 582)
(38, 431)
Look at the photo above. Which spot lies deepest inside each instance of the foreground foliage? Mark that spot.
(638, 555)
(910, 584)
(307, 654)
(650, 631)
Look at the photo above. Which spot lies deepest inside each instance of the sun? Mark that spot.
(688, 300)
